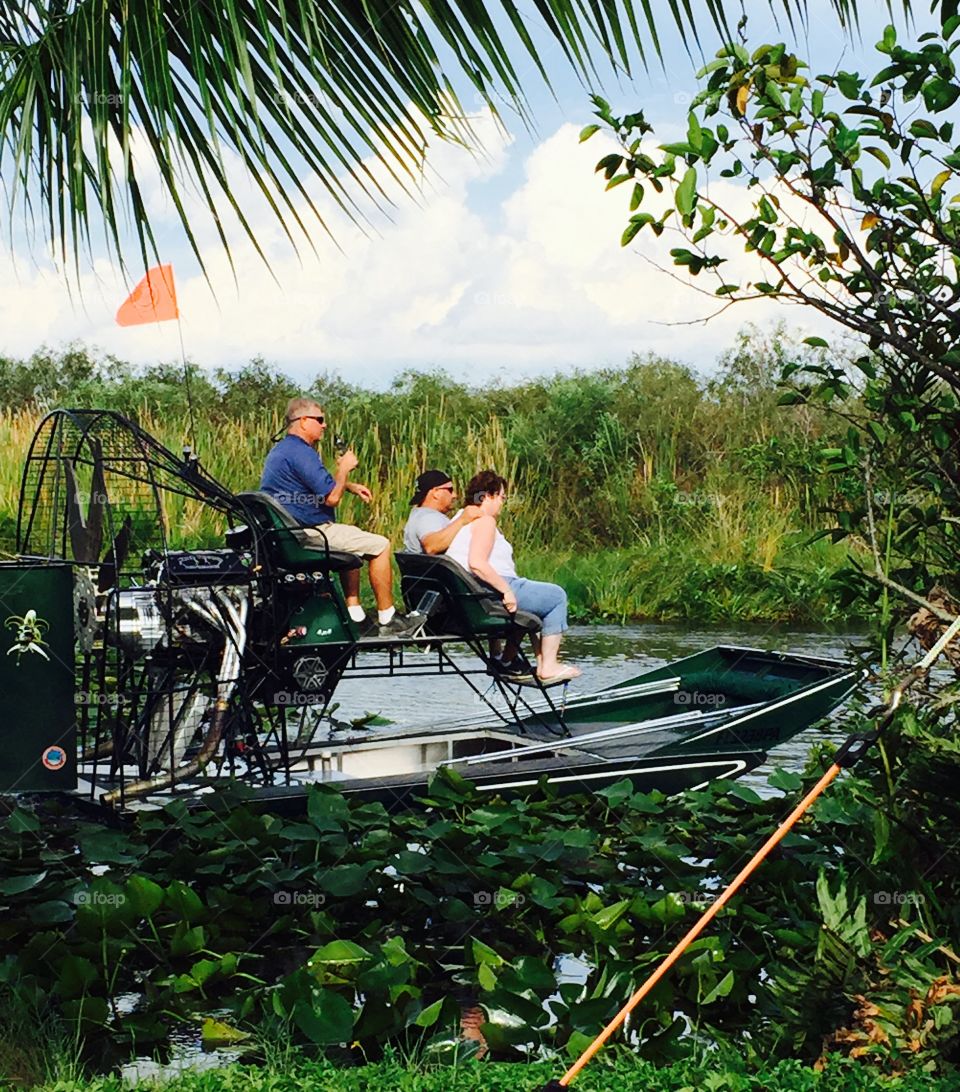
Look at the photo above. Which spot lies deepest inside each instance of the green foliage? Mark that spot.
(875, 251)
(349, 925)
(854, 210)
(627, 1072)
(703, 488)
(293, 92)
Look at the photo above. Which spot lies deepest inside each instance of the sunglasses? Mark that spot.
(310, 417)
(447, 487)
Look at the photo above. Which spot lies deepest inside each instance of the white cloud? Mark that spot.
(536, 284)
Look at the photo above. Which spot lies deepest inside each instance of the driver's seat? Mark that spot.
(289, 544)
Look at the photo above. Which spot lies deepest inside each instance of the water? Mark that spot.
(607, 654)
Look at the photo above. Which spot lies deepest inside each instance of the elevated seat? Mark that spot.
(466, 606)
(289, 545)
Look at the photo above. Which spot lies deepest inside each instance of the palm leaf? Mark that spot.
(292, 88)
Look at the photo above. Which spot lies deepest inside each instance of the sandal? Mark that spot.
(565, 674)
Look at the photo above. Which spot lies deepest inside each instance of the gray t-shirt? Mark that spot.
(422, 522)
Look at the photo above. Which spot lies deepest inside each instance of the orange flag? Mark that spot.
(153, 300)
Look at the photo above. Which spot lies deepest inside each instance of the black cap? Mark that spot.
(428, 480)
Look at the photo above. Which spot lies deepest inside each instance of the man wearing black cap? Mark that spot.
(429, 530)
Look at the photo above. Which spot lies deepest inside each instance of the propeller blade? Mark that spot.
(76, 525)
(114, 558)
(98, 500)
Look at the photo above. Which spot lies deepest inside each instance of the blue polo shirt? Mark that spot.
(294, 473)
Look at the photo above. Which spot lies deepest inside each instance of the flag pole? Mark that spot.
(186, 381)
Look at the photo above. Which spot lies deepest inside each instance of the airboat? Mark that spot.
(136, 670)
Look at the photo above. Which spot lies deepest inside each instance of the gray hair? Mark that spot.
(296, 407)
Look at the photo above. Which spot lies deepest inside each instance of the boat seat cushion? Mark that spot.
(289, 544)
(466, 606)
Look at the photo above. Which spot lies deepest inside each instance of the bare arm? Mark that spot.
(479, 558)
(345, 464)
(438, 541)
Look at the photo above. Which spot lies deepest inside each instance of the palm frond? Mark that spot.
(95, 95)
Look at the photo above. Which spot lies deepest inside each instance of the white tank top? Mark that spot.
(501, 556)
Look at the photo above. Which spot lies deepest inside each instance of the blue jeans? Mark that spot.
(547, 601)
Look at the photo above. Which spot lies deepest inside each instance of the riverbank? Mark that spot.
(683, 579)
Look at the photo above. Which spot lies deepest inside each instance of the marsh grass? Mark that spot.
(651, 492)
(726, 550)
(36, 1047)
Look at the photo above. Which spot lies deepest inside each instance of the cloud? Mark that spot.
(532, 282)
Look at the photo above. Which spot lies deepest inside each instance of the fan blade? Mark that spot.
(98, 501)
(114, 558)
(79, 535)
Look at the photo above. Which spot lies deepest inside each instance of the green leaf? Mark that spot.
(745, 793)
(878, 154)
(344, 880)
(327, 1019)
(216, 1032)
(486, 977)
(21, 821)
(340, 951)
(783, 779)
(587, 132)
(427, 1017)
(722, 988)
(203, 970)
(16, 885)
(184, 902)
(76, 975)
(483, 953)
(610, 915)
(143, 895)
(187, 941)
(686, 195)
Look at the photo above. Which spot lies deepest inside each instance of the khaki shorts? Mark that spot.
(350, 540)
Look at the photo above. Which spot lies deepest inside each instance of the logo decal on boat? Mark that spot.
(54, 758)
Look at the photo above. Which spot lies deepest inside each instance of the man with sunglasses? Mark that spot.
(294, 474)
(428, 529)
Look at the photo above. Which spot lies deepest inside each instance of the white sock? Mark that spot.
(384, 616)
(356, 612)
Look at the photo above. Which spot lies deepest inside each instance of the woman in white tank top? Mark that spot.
(481, 548)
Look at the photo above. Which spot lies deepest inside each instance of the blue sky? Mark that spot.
(509, 263)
